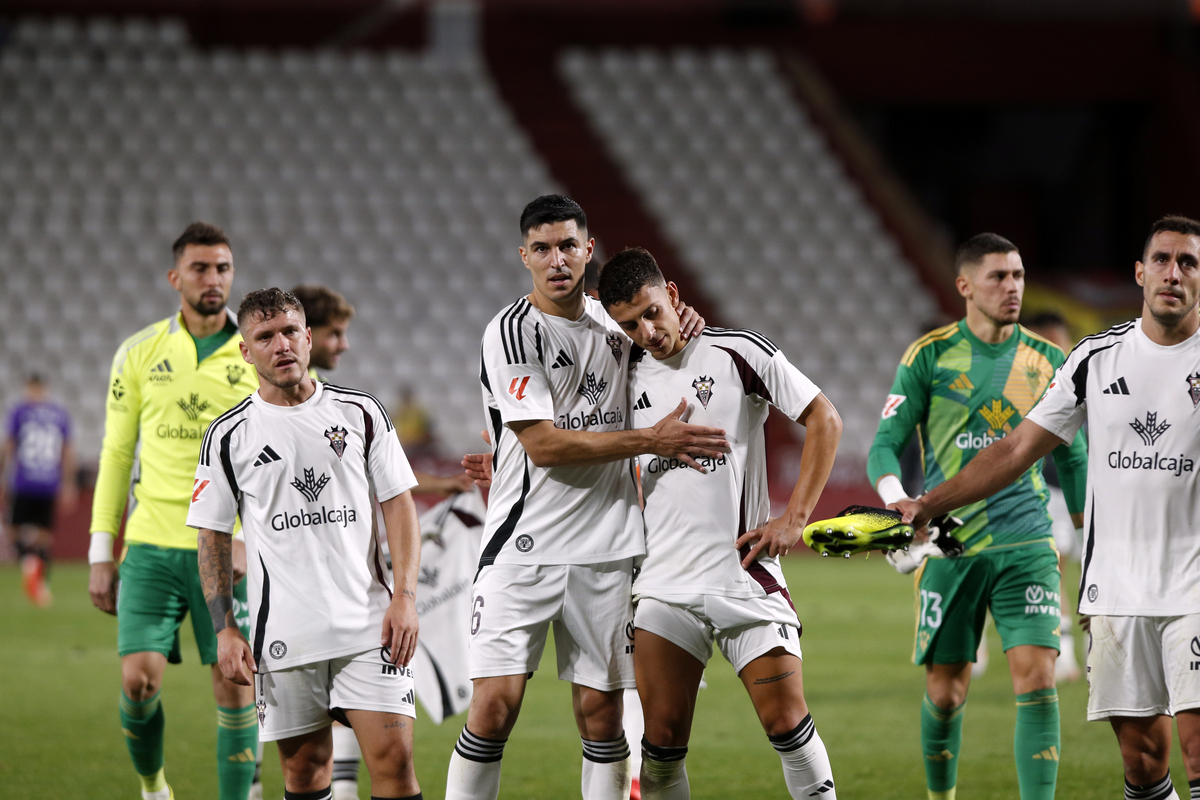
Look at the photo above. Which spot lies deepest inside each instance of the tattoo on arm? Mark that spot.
(215, 560)
(409, 593)
(774, 678)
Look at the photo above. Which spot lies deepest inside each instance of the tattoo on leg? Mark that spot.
(774, 678)
(395, 723)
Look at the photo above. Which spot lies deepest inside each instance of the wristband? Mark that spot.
(890, 489)
(100, 549)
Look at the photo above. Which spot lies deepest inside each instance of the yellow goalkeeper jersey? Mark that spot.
(160, 397)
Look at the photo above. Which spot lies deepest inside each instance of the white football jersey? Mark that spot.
(301, 479)
(449, 551)
(574, 372)
(1141, 404)
(729, 378)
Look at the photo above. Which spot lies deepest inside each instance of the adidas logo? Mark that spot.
(267, 456)
(962, 384)
(1120, 387)
(245, 757)
(1052, 753)
(163, 366)
(827, 786)
(563, 360)
(642, 402)
(945, 755)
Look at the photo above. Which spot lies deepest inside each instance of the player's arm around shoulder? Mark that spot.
(400, 623)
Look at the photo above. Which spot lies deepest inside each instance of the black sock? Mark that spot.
(322, 794)
(1159, 790)
(1194, 789)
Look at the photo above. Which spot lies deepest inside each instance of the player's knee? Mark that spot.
(138, 684)
(778, 721)
(1145, 760)
(668, 731)
(493, 715)
(602, 714)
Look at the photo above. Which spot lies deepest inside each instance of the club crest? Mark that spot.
(234, 373)
(614, 344)
(703, 386)
(1193, 382)
(337, 440)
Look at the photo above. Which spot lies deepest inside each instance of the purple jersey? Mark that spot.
(38, 431)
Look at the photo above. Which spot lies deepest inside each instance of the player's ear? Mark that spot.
(963, 285)
(173, 278)
(1139, 273)
(591, 248)
(673, 293)
(245, 352)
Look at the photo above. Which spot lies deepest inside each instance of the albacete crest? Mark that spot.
(234, 373)
(1193, 382)
(337, 440)
(614, 344)
(703, 386)
(591, 389)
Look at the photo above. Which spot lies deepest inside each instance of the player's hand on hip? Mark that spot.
(690, 321)
(102, 586)
(777, 538)
(235, 657)
(239, 560)
(684, 441)
(400, 625)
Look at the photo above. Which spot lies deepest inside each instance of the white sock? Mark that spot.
(806, 769)
(606, 770)
(664, 773)
(474, 772)
(635, 727)
(346, 757)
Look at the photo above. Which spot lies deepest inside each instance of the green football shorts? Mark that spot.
(159, 586)
(1020, 585)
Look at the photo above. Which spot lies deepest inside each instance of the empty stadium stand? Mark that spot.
(762, 212)
(392, 177)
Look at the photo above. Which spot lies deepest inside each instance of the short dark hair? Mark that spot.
(973, 250)
(626, 273)
(322, 305)
(1046, 319)
(202, 233)
(550, 208)
(268, 303)
(1175, 223)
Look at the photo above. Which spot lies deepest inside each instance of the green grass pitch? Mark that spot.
(60, 737)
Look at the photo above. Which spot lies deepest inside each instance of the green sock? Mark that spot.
(237, 748)
(941, 740)
(1036, 743)
(143, 724)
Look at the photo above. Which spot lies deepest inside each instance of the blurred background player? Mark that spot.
(39, 453)
(1067, 537)
(328, 315)
(1137, 387)
(168, 382)
(964, 386)
(730, 589)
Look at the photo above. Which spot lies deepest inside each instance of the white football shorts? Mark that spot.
(1143, 666)
(590, 606)
(300, 700)
(743, 629)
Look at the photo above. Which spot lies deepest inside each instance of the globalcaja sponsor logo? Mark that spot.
(659, 465)
(580, 420)
(166, 431)
(976, 441)
(290, 520)
(1150, 431)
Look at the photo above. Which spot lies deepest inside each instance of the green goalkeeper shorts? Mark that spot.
(1020, 585)
(159, 587)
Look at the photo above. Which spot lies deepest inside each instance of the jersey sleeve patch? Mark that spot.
(891, 406)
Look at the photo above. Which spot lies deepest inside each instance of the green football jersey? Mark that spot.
(160, 402)
(961, 394)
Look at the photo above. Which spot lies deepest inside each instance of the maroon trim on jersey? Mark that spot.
(757, 571)
(368, 430)
(752, 382)
(379, 568)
